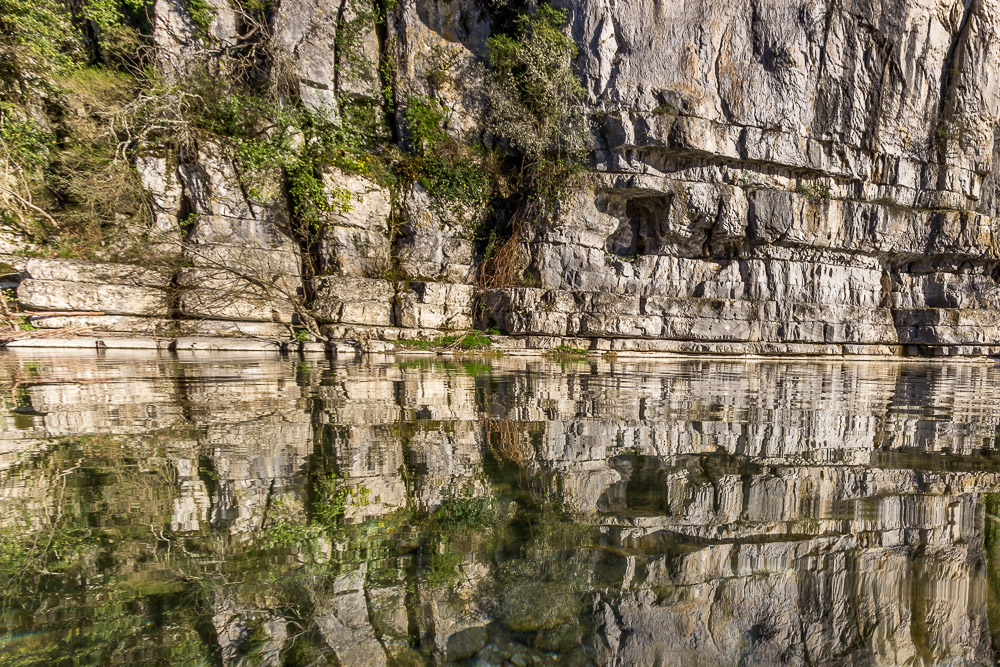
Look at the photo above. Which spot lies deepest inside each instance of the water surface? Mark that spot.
(250, 511)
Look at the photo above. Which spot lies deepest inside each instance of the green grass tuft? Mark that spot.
(469, 341)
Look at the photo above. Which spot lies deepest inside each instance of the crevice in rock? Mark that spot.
(950, 75)
(953, 61)
(641, 228)
(386, 65)
(338, 45)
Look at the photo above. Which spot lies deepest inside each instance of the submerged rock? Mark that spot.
(535, 606)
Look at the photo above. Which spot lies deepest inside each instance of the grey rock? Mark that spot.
(345, 300)
(306, 31)
(435, 306)
(345, 627)
(434, 243)
(466, 643)
(96, 273)
(355, 242)
(107, 298)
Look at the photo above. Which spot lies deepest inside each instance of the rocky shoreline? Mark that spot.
(530, 346)
(70, 304)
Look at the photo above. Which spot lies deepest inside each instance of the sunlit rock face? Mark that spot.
(771, 176)
(509, 510)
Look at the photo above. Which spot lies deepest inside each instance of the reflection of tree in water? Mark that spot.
(369, 514)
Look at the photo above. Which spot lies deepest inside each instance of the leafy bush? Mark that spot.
(116, 29)
(202, 14)
(22, 139)
(459, 177)
(425, 119)
(567, 352)
(37, 42)
(535, 108)
(65, 71)
(535, 98)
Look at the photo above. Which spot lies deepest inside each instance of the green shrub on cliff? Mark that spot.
(458, 176)
(534, 95)
(66, 69)
(534, 109)
(36, 42)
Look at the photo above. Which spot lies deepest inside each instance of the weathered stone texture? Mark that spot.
(114, 289)
(775, 173)
(766, 176)
(355, 240)
(434, 243)
(354, 300)
(699, 503)
(435, 306)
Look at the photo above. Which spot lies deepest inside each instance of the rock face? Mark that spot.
(777, 176)
(83, 286)
(783, 173)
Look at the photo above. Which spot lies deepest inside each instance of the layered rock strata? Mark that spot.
(777, 178)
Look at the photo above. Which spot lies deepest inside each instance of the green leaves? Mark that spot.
(37, 41)
(425, 119)
(202, 14)
(534, 95)
(22, 139)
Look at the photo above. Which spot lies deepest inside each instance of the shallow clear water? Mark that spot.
(235, 510)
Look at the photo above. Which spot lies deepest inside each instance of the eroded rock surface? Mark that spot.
(764, 177)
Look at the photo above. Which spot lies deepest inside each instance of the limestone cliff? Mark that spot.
(771, 176)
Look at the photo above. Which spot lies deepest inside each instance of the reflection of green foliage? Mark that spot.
(331, 501)
(471, 368)
(477, 368)
(459, 512)
(442, 569)
(125, 588)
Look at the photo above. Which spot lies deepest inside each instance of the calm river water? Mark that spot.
(251, 511)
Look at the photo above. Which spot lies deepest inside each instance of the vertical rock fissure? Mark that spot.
(338, 45)
(947, 101)
(952, 62)
(386, 68)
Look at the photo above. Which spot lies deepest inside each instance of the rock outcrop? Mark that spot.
(799, 177)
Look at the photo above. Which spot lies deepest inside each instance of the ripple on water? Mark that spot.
(255, 510)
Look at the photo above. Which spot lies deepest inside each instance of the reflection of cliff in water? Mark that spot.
(255, 511)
